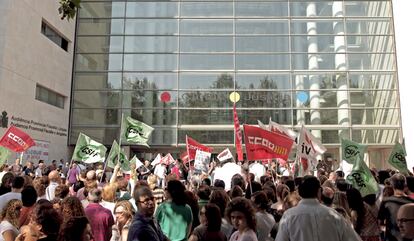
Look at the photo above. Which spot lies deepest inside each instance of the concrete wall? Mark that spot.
(27, 58)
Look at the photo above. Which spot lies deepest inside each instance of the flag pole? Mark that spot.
(21, 157)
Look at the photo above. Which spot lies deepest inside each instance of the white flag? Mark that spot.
(225, 155)
(275, 126)
(157, 160)
(138, 163)
(263, 126)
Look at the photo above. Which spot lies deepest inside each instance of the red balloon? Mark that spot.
(165, 97)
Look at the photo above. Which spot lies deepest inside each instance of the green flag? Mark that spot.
(135, 132)
(113, 157)
(397, 158)
(88, 150)
(362, 179)
(351, 151)
(4, 154)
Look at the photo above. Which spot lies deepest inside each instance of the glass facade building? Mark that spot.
(329, 65)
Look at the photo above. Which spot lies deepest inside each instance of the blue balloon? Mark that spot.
(302, 96)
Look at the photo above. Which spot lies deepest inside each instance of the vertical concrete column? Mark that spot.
(314, 93)
(340, 65)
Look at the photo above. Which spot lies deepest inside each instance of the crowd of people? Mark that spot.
(73, 201)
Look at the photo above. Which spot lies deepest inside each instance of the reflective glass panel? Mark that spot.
(207, 9)
(206, 44)
(207, 137)
(374, 98)
(163, 137)
(311, 9)
(205, 117)
(250, 116)
(102, 10)
(102, 135)
(372, 81)
(204, 99)
(370, 43)
(151, 44)
(153, 117)
(368, 61)
(149, 99)
(96, 99)
(263, 81)
(371, 26)
(206, 81)
(262, 44)
(261, 27)
(100, 44)
(261, 9)
(265, 99)
(191, 26)
(368, 8)
(323, 26)
(151, 26)
(206, 62)
(95, 117)
(262, 61)
(321, 43)
(97, 81)
(149, 81)
(100, 26)
(98, 62)
(377, 136)
(151, 9)
(375, 116)
(318, 61)
(150, 62)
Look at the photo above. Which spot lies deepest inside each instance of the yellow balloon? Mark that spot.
(234, 97)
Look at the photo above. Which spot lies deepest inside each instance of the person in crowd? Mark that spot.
(71, 207)
(236, 191)
(203, 194)
(89, 183)
(40, 184)
(6, 183)
(221, 199)
(219, 184)
(241, 213)
(175, 216)
(16, 168)
(363, 218)
(156, 190)
(10, 220)
(143, 226)
(210, 227)
(29, 198)
(73, 174)
(16, 192)
(191, 200)
(389, 208)
(100, 218)
(405, 220)
(124, 212)
(29, 169)
(54, 181)
(282, 191)
(327, 196)
(161, 172)
(46, 221)
(312, 221)
(40, 168)
(410, 186)
(27, 233)
(76, 229)
(265, 221)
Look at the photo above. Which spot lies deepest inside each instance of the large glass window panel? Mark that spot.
(330, 136)
(251, 116)
(205, 117)
(324, 43)
(153, 116)
(206, 81)
(96, 99)
(322, 98)
(326, 116)
(368, 8)
(372, 81)
(324, 61)
(265, 99)
(105, 136)
(100, 26)
(98, 62)
(261, 9)
(207, 9)
(151, 26)
(204, 99)
(150, 62)
(370, 43)
(375, 98)
(95, 117)
(323, 26)
(206, 62)
(151, 9)
(102, 10)
(262, 62)
(149, 99)
(377, 116)
(255, 26)
(263, 81)
(371, 26)
(163, 137)
(315, 81)
(97, 81)
(151, 44)
(262, 44)
(377, 136)
(207, 137)
(206, 44)
(323, 8)
(191, 26)
(95, 44)
(370, 61)
(150, 81)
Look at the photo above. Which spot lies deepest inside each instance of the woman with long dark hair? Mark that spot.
(241, 213)
(210, 227)
(174, 216)
(76, 229)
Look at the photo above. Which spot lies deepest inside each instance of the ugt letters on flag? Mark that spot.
(262, 144)
(16, 140)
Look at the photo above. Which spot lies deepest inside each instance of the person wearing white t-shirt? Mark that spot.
(10, 219)
(16, 192)
(160, 171)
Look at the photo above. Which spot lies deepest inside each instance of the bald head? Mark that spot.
(405, 220)
(91, 175)
(54, 176)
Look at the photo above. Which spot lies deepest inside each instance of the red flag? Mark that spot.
(193, 146)
(262, 144)
(16, 140)
(184, 156)
(238, 134)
